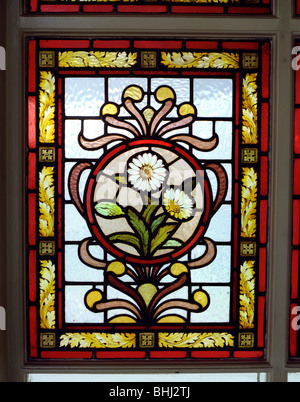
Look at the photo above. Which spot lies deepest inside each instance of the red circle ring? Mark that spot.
(202, 226)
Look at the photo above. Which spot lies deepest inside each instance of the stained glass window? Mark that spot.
(156, 6)
(147, 198)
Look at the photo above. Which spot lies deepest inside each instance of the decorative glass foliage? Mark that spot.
(147, 198)
(254, 7)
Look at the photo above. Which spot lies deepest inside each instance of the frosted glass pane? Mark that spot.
(82, 182)
(180, 86)
(213, 97)
(220, 225)
(76, 271)
(218, 310)
(93, 128)
(116, 87)
(75, 226)
(224, 149)
(75, 309)
(214, 183)
(217, 271)
(203, 129)
(72, 148)
(84, 96)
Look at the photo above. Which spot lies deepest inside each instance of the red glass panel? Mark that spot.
(32, 276)
(31, 122)
(295, 275)
(296, 177)
(262, 270)
(297, 4)
(32, 219)
(58, 44)
(98, 8)
(157, 44)
(261, 322)
(32, 66)
(248, 10)
(33, 5)
(265, 127)
(59, 9)
(263, 221)
(120, 355)
(197, 10)
(33, 332)
(202, 45)
(113, 44)
(210, 355)
(264, 172)
(31, 171)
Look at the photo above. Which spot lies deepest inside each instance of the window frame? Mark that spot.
(282, 34)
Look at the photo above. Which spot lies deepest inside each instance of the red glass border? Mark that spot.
(261, 7)
(294, 351)
(263, 49)
(297, 8)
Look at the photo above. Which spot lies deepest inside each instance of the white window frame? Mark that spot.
(282, 29)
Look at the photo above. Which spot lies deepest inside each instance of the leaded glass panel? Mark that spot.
(147, 198)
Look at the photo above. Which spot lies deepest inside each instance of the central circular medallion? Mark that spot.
(148, 201)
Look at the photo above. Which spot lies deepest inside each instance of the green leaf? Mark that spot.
(173, 243)
(126, 238)
(162, 236)
(139, 226)
(157, 222)
(108, 209)
(149, 211)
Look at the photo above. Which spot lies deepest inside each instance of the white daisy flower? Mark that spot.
(178, 204)
(147, 172)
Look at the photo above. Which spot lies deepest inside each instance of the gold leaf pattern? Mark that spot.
(96, 59)
(46, 202)
(247, 294)
(249, 203)
(200, 60)
(47, 295)
(195, 340)
(249, 106)
(98, 340)
(47, 107)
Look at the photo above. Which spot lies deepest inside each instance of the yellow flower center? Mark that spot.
(146, 172)
(174, 207)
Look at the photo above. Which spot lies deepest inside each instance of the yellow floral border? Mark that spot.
(47, 295)
(200, 60)
(195, 340)
(247, 295)
(249, 106)
(47, 107)
(98, 340)
(46, 202)
(248, 202)
(96, 59)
